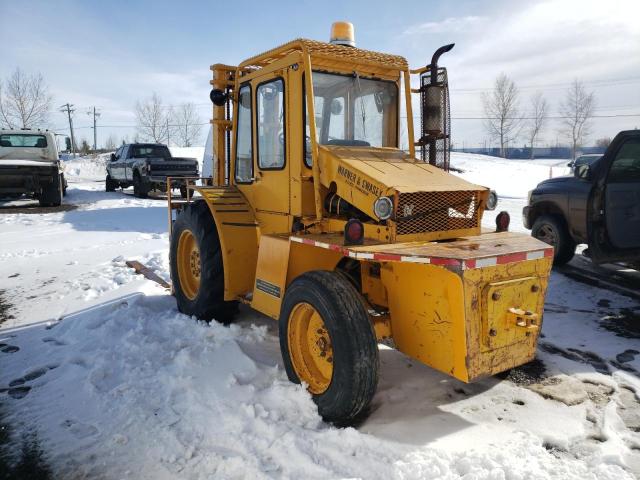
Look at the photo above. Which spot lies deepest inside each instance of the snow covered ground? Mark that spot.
(108, 380)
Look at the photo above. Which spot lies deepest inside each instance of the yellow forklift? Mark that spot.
(316, 217)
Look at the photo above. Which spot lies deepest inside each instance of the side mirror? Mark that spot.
(113, 157)
(570, 164)
(583, 172)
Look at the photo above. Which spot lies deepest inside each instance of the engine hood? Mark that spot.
(388, 169)
(557, 180)
(362, 174)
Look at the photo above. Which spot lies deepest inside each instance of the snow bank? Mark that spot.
(92, 167)
(134, 389)
(510, 178)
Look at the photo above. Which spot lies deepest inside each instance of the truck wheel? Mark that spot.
(64, 185)
(109, 184)
(553, 231)
(327, 341)
(196, 266)
(51, 195)
(140, 190)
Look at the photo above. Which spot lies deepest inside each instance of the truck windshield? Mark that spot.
(353, 111)
(150, 151)
(23, 140)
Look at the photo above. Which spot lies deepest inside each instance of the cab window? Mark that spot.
(271, 134)
(244, 150)
(626, 166)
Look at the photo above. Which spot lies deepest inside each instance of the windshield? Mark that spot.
(23, 140)
(354, 111)
(150, 151)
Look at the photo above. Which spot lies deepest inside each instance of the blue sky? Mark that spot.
(111, 54)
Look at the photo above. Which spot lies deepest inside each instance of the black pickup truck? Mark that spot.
(599, 205)
(146, 166)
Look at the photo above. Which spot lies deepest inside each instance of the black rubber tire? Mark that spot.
(51, 195)
(64, 185)
(140, 189)
(355, 348)
(109, 184)
(209, 303)
(183, 192)
(565, 247)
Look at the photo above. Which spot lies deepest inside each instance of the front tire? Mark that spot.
(327, 341)
(109, 184)
(196, 266)
(553, 230)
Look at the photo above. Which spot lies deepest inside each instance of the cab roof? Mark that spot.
(328, 50)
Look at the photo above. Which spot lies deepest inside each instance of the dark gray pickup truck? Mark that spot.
(599, 205)
(146, 166)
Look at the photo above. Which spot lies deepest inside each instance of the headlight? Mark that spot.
(383, 208)
(492, 200)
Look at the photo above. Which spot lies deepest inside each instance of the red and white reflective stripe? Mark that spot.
(445, 262)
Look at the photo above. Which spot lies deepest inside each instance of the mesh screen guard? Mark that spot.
(435, 118)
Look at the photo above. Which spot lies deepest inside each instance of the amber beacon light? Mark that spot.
(342, 34)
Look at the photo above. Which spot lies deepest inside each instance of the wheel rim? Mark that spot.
(548, 235)
(310, 348)
(188, 261)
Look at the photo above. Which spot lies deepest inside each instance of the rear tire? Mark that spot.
(51, 195)
(202, 297)
(109, 184)
(344, 332)
(553, 230)
(140, 189)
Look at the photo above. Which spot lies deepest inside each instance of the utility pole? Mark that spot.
(167, 131)
(95, 134)
(68, 108)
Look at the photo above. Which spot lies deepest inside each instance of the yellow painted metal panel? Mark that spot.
(271, 275)
(427, 310)
(441, 317)
(304, 258)
(483, 360)
(238, 234)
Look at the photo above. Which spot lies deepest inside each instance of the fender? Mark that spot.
(239, 234)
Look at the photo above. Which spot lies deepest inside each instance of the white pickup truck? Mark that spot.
(29, 165)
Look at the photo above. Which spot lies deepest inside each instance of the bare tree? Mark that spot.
(501, 110)
(188, 126)
(535, 124)
(25, 101)
(577, 110)
(154, 120)
(110, 143)
(603, 142)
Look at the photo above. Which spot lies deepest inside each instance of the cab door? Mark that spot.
(615, 202)
(271, 182)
